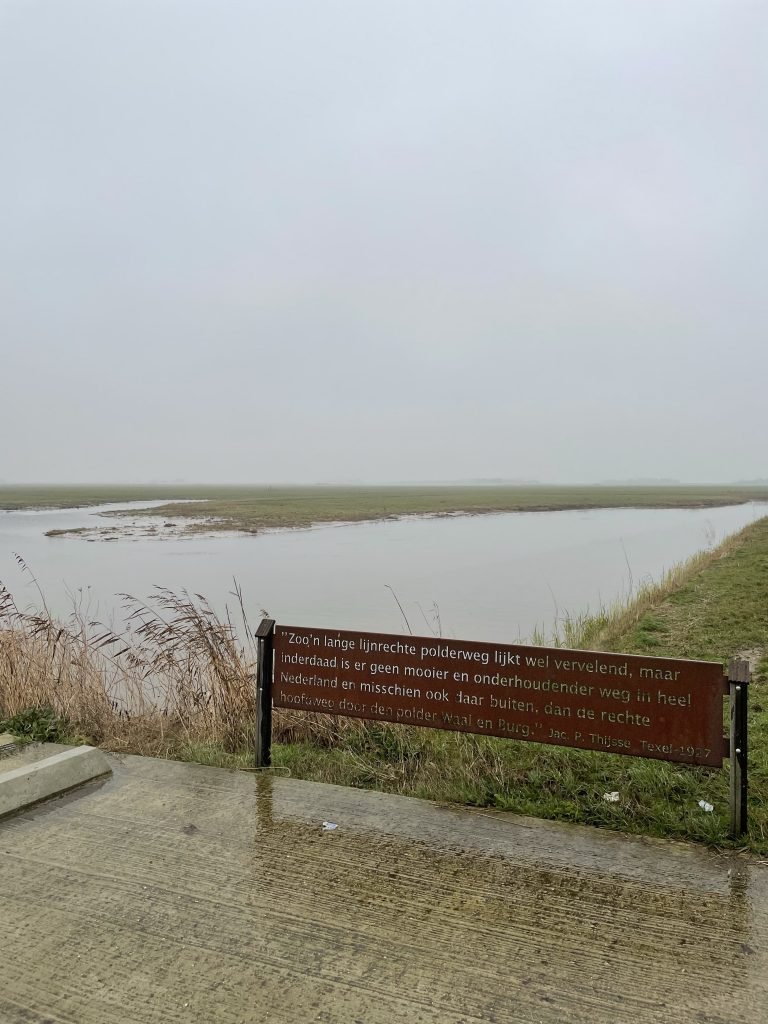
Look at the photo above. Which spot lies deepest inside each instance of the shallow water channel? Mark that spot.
(492, 577)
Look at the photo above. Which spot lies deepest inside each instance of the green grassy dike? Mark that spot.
(715, 607)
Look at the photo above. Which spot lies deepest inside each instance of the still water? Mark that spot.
(492, 577)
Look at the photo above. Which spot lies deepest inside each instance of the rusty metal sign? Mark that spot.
(661, 708)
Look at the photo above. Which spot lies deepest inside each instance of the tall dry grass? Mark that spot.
(176, 674)
(177, 671)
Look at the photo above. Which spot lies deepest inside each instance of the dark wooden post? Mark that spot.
(738, 681)
(265, 636)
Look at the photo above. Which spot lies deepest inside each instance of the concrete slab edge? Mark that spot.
(29, 784)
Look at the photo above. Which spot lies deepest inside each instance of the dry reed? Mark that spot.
(176, 673)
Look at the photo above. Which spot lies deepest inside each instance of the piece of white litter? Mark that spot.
(611, 798)
(329, 826)
(706, 807)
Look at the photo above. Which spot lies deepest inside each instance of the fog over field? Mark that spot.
(388, 240)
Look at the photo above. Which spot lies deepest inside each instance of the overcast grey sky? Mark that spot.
(383, 239)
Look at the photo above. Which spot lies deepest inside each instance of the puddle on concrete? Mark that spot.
(575, 930)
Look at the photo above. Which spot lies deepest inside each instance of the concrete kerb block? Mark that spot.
(30, 783)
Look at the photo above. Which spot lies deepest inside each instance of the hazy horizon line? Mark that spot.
(459, 482)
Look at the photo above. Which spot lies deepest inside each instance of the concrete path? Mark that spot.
(175, 893)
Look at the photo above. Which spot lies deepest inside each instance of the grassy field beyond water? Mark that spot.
(257, 508)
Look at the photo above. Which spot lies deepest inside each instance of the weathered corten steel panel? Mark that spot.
(649, 707)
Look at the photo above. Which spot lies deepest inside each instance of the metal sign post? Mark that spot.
(738, 683)
(265, 636)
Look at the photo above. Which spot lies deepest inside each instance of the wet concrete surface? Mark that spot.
(176, 893)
